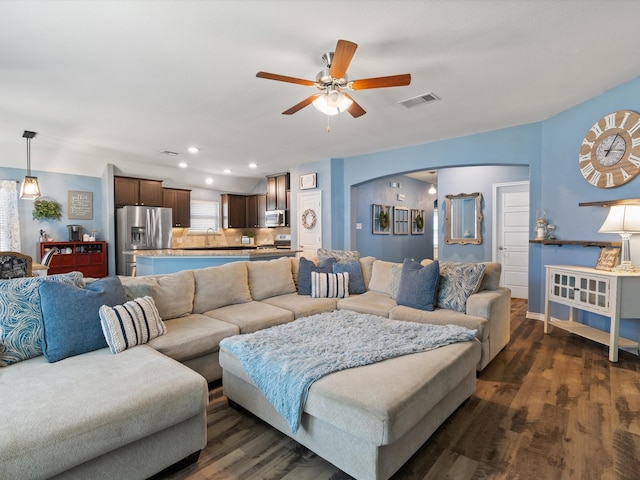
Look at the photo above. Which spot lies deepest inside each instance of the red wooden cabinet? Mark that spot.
(90, 258)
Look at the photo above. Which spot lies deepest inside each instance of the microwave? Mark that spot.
(274, 218)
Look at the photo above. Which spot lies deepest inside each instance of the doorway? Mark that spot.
(511, 235)
(310, 224)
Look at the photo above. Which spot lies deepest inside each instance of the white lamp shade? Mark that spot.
(30, 189)
(622, 219)
(332, 103)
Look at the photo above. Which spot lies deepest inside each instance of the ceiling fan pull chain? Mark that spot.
(328, 124)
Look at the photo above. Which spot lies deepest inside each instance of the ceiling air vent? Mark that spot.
(169, 152)
(420, 100)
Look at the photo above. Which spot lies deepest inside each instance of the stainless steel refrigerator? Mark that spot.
(140, 228)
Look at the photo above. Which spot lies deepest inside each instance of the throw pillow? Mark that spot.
(356, 278)
(70, 316)
(341, 256)
(458, 281)
(394, 284)
(419, 285)
(134, 323)
(329, 285)
(304, 273)
(380, 280)
(21, 316)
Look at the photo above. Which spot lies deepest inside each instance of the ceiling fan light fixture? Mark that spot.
(332, 102)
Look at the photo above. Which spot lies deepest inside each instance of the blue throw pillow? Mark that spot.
(356, 278)
(71, 319)
(419, 285)
(304, 273)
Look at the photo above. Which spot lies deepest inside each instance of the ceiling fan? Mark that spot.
(332, 82)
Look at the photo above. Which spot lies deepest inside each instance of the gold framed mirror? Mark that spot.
(463, 218)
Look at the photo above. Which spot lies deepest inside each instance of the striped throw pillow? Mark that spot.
(329, 285)
(133, 323)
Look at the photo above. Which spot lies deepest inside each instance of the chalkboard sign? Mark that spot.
(79, 205)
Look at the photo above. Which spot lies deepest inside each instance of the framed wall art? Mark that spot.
(401, 221)
(380, 219)
(79, 205)
(308, 180)
(608, 258)
(417, 222)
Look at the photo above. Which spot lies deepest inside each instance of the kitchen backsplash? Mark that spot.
(225, 237)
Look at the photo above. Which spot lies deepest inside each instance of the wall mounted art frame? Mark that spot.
(463, 218)
(79, 205)
(309, 180)
(415, 230)
(380, 219)
(401, 225)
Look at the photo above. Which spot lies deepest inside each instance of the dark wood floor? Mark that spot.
(547, 407)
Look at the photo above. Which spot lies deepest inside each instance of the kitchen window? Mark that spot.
(205, 214)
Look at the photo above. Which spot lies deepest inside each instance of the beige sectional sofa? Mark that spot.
(97, 413)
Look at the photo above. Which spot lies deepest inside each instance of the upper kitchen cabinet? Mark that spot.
(277, 187)
(137, 191)
(234, 211)
(179, 201)
(256, 208)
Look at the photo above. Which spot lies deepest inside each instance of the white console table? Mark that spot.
(612, 294)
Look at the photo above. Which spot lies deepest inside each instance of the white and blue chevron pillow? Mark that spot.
(458, 281)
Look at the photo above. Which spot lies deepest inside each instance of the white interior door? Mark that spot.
(511, 235)
(309, 223)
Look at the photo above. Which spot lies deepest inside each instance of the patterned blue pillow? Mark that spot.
(304, 273)
(21, 316)
(458, 281)
(71, 316)
(356, 278)
(418, 285)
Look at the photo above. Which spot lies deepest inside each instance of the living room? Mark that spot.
(543, 150)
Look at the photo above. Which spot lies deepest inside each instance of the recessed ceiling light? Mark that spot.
(183, 164)
(253, 165)
(193, 149)
(227, 171)
(208, 180)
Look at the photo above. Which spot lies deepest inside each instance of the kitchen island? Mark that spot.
(155, 262)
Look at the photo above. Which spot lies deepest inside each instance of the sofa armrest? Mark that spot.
(495, 306)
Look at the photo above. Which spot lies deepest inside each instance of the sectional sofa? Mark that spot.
(142, 410)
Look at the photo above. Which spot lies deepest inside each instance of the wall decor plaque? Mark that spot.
(79, 205)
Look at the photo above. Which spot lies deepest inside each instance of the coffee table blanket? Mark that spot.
(283, 361)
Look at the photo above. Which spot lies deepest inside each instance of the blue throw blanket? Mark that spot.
(284, 361)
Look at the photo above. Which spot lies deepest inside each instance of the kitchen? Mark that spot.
(154, 239)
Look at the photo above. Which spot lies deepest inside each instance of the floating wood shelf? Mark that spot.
(584, 243)
(608, 203)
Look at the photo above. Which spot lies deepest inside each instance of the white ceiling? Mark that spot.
(119, 82)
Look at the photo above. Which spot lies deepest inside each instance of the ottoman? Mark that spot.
(368, 421)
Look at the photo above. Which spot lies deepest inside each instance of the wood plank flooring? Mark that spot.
(548, 407)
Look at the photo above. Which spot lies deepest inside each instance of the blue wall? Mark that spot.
(55, 186)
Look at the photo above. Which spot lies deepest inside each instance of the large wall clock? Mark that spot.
(610, 152)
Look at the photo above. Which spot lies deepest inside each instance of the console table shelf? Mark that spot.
(584, 243)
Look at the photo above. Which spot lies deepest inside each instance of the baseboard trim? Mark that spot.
(535, 316)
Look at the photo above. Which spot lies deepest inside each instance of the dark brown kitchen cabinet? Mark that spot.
(179, 201)
(234, 211)
(137, 191)
(256, 208)
(277, 188)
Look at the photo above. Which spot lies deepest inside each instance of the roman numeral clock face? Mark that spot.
(610, 152)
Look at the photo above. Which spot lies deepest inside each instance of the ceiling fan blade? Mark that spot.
(342, 58)
(301, 105)
(355, 109)
(284, 78)
(381, 82)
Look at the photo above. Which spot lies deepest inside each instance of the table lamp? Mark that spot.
(624, 220)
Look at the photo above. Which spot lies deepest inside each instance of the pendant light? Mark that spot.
(30, 190)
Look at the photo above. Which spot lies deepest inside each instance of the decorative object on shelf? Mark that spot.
(463, 219)
(309, 219)
(624, 220)
(308, 180)
(79, 205)
(30, 189)
(381, 219)
(550, 232)
(417, 221)
(400, 221)
(608, 259)
(610, 151)
(541, 224)
(46, 209)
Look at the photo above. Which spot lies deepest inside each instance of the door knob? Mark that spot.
(501, 248)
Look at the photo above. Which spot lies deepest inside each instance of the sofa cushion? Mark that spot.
(381, 276)
(268, 278)
(70, 316)
(329, 285)
(219, 286)
(341, 256)
(252, 316)
(442, 316)
(302, 306)
(491, 277)
(375, 303)
(356, 278)
(419, 285)
(173, 293)
(458, 281)
(304, 273)
(394, 282)
(134, 323)
(21, 315)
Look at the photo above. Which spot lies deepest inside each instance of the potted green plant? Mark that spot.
(248, 235)
(44, 209)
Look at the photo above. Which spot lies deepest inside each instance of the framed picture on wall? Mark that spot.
(417, 221)
(380, 219)
(308, 180)
(401, 221)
